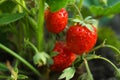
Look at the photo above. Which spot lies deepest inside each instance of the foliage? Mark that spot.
(29, 45)
(108, 34)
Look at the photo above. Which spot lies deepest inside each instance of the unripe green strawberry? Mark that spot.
(80, 39)
(56, 21)
(63, 59)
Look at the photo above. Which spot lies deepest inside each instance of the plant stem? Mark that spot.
(109, 46)
(80, 4)
(81, 17)
(88, 70)
(20, 58)
(105, 59)
(114, 48)
(39, 29)
(99, 46)
(32, 46)
(21, 5)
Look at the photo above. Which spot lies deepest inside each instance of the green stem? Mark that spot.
(105, 59)
(36, 50)
(39, 29)
(21, 5)
(81, 17)
(99, 46)
(88, 70)
(112, 47)
(20, 58)
(80, 4)
(109, 46)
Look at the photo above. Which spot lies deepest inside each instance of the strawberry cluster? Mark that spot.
(64, 58)
(80, 38)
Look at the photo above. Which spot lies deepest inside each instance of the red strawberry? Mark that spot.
(63, 59)
(80, 39)
(56, 21)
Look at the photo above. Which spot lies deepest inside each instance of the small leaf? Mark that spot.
(41, 58)
(56, 5)
(7, 6)
(89, 26)
(87, 18)
(52, 54)
(83, 77)
(68, 73)
(50, 61)
(101, 11)
(91, 21)
(20, 76)
(8, 18)
(76, 20)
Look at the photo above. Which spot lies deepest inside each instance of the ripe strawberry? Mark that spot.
(80, 39)
(63, 59)
(56, 21)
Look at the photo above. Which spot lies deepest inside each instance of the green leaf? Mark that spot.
(8, 18)
(41, 58)
(50, 61)
(87, 18)
(68, 73)
(77, 20)
(56, 5)
(20, 76)
(86, 23)
(52, 54)
(109, 35)
(89, 26)
(7, 6)
(101, 11)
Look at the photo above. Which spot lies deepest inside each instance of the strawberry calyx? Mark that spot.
(87, 22)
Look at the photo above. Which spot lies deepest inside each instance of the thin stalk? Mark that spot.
(21, 5)
(105, 59)
(99, 46)
(109, 46)
(78, 11)
(112, 47)
(80, 4)
(39, 29)
(36, 50)
(20, 58)
(88, 70)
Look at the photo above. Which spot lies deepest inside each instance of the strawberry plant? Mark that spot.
(59, 40)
